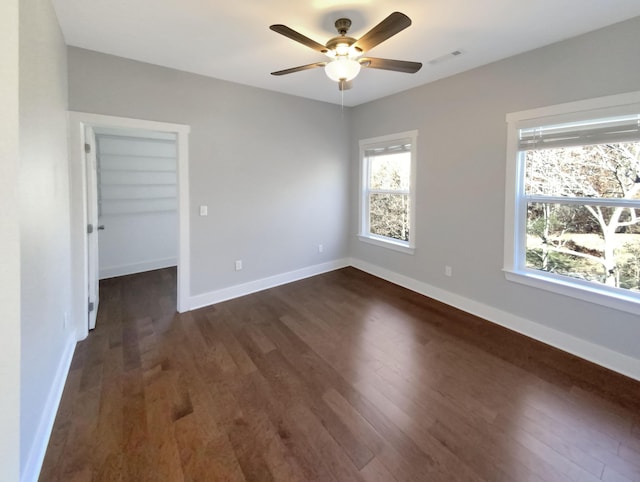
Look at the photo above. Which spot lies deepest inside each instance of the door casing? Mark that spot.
(79, 215)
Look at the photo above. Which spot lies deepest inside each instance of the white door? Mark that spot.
(92, 226)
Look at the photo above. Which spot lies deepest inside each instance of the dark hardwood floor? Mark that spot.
(334, 378)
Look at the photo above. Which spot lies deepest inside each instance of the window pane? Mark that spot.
(390, 171)
(389, 215)
(571, 240)
(601, 170)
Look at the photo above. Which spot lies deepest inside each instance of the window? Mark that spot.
(387, 191)
(573, 196)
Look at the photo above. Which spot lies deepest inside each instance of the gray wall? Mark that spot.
(272, 168)
(9, 244)
(461, 173)
(44, 219)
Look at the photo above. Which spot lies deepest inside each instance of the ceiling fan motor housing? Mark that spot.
(342, 26)
(333, 43)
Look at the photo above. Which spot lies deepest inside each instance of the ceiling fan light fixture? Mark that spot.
(342, 49)
(344, 52)
(342, 69)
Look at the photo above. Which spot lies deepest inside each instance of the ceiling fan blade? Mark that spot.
(391, 64)
(299, 69)
(298, 37)
(394, 23)
(344, 85)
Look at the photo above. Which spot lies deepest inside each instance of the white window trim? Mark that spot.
(363, 211)
(514, 237)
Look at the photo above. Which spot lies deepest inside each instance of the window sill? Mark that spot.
(395, 246)
(620, 301)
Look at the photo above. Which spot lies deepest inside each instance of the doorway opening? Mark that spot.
(129, 188)
(137, 201)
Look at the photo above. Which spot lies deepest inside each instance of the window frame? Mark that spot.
(364, 233)
(516, 200)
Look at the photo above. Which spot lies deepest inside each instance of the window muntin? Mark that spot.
(388, 173)
(576, 188)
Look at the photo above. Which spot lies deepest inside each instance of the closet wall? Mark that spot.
(137, 201)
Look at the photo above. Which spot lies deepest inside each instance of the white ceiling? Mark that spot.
(231, 39)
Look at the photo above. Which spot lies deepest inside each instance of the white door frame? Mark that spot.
(78, 199)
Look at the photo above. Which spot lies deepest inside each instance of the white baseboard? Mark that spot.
(213, 297)
(598, 354)
(31, 469)
(126, 269)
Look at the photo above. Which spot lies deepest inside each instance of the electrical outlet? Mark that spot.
(448, 271)
(204, 210)
(238, 264)
(320, 248)
(65, 320)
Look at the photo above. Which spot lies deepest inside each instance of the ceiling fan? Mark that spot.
(345, 52)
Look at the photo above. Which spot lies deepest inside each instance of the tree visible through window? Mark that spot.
(386, 208)
(389, 195)
(583, 201)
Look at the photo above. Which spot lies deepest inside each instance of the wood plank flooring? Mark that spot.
(340, 377)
